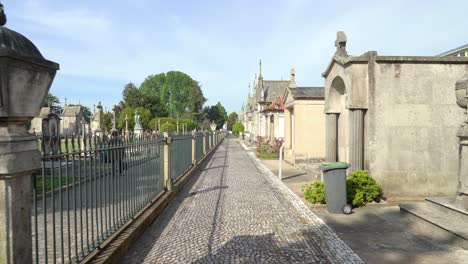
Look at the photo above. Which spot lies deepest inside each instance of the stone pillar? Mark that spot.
(356, 139)
(167, 162)
(331, 137)
(25, 79)
(204, 143)
(194, 145)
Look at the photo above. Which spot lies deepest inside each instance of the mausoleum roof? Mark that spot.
(273, 89)
(307, 92)
(71, 110)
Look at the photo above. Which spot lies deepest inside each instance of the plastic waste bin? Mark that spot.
(334, 178)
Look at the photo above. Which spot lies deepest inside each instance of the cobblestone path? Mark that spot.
(236, 211)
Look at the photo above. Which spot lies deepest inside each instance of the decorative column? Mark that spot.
(356, 139)
(25, 79)
(332, 137)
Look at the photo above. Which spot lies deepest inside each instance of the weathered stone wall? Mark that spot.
(412, 120)
(309, 129)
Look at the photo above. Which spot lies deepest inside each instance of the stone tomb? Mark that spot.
(396, 117)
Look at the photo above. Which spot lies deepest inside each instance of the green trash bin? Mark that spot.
(334, 178)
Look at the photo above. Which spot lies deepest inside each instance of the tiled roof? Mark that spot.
(307, 92)
(276, 106)
(273, 89)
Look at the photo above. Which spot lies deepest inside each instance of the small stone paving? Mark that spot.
(237, 211)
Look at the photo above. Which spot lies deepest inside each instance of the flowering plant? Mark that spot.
(268, 146)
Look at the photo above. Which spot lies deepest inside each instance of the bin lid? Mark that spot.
(334, 165)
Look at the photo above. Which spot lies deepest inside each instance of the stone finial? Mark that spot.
(292, 83)
(3, 18)
(340, 44)
(260, 69)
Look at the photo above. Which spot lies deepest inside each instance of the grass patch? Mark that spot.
(47, 181)
(267, 155)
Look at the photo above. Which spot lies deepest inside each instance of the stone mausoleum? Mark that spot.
(397, 117)
(304, 123)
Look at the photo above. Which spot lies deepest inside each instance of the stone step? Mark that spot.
(449, 206)
(439, 216)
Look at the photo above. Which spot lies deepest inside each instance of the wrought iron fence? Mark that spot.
(181, 155)
(87, 189)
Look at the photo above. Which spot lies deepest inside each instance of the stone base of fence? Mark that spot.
(115, 247)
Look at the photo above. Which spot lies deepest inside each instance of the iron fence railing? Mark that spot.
(181, 155)
(87, 189)
(198, 146)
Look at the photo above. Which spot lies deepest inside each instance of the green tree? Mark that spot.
(53, 102)
(231, 120)
(237, 128)
(216, 113)
(107, 120)
(145, 117)
(174, 94)
(152, 89)
(127, 111)
(132, 96)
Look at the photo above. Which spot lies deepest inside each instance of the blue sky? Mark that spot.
(102, 45)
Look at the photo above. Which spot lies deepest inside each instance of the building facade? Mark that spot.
(304, 123)
(72, 121)
(264, 93)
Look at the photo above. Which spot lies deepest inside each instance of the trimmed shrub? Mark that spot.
(168, 127)
(237, 128)
(314, 192)
(362, 188)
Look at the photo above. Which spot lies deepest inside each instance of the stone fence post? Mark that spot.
(194, 145)
(25, 79)
(167, 162)
(204, 143)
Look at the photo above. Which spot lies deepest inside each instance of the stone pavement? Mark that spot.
(237, 211)
(380, 233)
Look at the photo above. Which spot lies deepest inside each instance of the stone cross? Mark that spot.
(292, 83)
(340, 44)
(159, 125)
